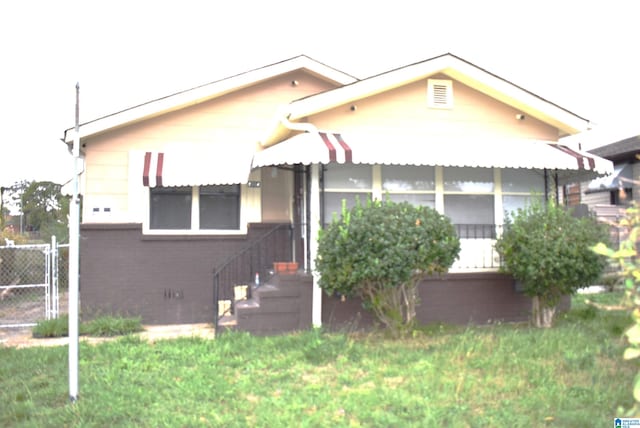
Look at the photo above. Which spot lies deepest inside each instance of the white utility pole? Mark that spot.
(74, 259)
(316, 311)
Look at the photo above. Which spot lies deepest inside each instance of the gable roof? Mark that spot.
(207, 92)
(626, 149)
(463, 71)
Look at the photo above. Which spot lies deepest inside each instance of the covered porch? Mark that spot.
(474, 184)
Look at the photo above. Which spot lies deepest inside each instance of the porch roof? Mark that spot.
(327, 147)
(622, 177)
(173, 168)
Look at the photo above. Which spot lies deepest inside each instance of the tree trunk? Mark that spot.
(542, 314)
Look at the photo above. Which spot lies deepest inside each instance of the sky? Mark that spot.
(581, 55)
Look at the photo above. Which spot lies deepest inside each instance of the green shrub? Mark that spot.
(57, 327)
(102, 326)
(549, 251)
(381, 251)
(111, 326)
(626, 256)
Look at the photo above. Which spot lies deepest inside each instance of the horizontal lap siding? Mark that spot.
(237, 118)
(474, 115)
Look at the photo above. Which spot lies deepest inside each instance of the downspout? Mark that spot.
(298, 126)
(314, 210)
(546, 186)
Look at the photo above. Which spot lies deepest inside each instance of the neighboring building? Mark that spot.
(175, 187)
(620, 188)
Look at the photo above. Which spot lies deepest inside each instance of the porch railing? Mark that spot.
(283, 243)
(253, 264)
(477, 247)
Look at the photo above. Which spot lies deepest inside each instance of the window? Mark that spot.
(348, 182)
(337, 176)
(220, 207)
(469, 200)
(413, 184)
(473, 198)
(469, 196)
(195, 208)
(170, 208)
(468, 180)
(520, 187)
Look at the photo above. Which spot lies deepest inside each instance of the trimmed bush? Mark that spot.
(549, 251)
(380, 251)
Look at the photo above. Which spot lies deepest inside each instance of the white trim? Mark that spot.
(498, 210)
(376, 181)
(439, 177)
(195, 208)
(209, 91)
(455, 68)
(195, 218)
(316, 310)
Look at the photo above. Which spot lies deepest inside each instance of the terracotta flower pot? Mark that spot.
(285, 267)
(279, 267)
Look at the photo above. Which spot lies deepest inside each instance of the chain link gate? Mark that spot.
(30, 283)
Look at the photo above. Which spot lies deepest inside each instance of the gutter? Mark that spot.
(283, 120)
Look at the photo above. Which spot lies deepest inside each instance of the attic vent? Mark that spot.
(439, 93)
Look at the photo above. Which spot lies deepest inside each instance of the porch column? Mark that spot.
(314, 211)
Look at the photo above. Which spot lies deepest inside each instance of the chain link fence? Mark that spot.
(33, 283)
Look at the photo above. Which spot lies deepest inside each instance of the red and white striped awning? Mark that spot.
(173, 168)
(331, 147)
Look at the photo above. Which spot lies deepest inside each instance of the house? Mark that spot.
(232, 176)
(615, 192)
(609, 197)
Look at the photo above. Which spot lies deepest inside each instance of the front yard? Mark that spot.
(499, 375)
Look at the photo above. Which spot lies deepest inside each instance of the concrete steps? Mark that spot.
(281, 305)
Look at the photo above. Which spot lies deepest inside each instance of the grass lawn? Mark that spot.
(493, 376)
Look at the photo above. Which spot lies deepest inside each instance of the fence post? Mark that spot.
(54, 278)
(47, 282)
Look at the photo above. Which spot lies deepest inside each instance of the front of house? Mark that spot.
(175, 188)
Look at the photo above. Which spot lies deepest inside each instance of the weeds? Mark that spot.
(498, 375)
(102, 326)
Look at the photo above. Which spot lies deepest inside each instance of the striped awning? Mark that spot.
(326, 147)
(173, 168)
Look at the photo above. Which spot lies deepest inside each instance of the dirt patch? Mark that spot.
(22, 338)
(26, 306)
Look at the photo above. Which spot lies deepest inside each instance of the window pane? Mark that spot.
(337, 176)
(469, 209)
(170, 208)
(522, 180)
(511, 203)
(333, 203)
(469, 180)
(398, 178)
(220, 207)
(426, 200)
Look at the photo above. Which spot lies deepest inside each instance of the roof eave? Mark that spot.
(208, 92)
(567, 122)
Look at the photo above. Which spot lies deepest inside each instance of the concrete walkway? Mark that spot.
(22, 338)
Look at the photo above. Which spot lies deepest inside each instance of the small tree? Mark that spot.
(549, 251)
(381, 251)
(45, 209)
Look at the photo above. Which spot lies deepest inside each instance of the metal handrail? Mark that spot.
(250, 266)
